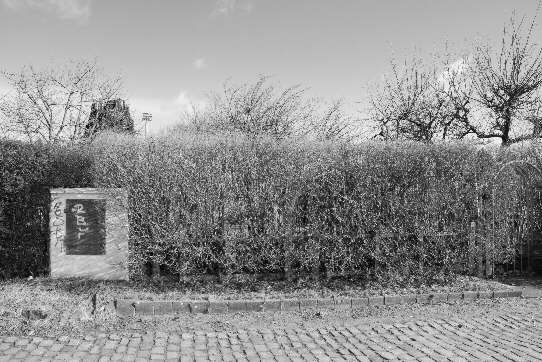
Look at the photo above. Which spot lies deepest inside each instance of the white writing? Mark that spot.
(82, 226)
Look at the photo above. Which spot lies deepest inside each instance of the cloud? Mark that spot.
(165, 112)
(65, 9)
(5, 88)
(200, 63)
(228, 7)
(455, 69)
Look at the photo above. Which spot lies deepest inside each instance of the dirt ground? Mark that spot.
(47, 307)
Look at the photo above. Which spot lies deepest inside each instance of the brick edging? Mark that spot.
(127, 308)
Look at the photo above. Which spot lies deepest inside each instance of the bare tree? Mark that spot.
(489, 94)
(258, 108)
(262, 108)
(410, 104)
(455, 86)
(506, 85)
(330, 122)
(52, 104)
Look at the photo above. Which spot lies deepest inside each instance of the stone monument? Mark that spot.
(89, 233)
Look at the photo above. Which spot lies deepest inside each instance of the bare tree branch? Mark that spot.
(52, 104)
(507, 83)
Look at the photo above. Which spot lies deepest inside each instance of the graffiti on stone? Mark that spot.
(85, 227)
(58, 222)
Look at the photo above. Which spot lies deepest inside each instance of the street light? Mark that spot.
(146, 118)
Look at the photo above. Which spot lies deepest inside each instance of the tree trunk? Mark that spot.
(506, 128)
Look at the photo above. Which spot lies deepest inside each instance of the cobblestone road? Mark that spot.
(501, 337)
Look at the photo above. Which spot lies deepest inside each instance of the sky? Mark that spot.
(172, 53)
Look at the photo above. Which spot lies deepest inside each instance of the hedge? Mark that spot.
(387, 211)
(399, 212)
(26, 173)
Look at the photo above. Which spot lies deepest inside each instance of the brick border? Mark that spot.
(129, 308)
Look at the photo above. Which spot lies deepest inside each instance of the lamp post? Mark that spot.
(146, 118)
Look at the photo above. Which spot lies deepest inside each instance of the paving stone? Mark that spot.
(482, 337)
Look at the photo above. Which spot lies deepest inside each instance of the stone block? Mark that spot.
(409, 299)
(424, 298)
(254, 305)
(162, 308)
(271, 305)
(343, 303)
(359, 302)
(125, 308)
(378, 300)
(485, 294)
(180, 307)
(470, 295)
(515, 293)
(439, 298)
(144, 307)
(326, 303)
(500, 294)
(199, 307)
(454, 296)
(235, 306)
(307, 303)
(290, 305)
(218, 307)
(392, 299)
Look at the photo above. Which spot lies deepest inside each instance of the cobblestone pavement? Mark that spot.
(501, 337)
